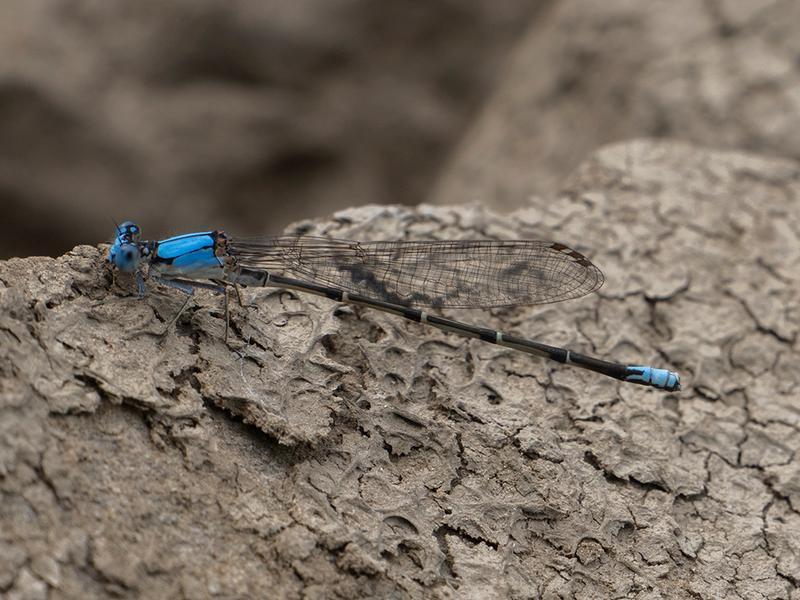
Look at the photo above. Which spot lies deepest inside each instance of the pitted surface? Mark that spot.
(331, 451)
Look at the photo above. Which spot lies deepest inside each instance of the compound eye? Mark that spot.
(129, 231)
(127, 258)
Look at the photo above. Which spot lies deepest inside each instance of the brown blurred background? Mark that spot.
(250, 114)
(243, 114)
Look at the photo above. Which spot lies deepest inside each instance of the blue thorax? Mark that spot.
(192, 255)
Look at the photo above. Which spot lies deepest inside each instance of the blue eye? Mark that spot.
(125, 257)
(128, 232)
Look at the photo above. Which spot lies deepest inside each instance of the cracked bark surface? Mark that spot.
(719, 73)
(328, 451)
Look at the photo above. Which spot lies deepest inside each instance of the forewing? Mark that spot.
(447, 274)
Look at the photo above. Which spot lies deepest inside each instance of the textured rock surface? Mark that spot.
(721, 73)
(328, 451)
(243, 112)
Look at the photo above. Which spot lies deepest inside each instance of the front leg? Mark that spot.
(140, 286)
(188, 288)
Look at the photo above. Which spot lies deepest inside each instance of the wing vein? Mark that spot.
(446, 274)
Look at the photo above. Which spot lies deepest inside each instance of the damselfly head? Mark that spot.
(125, 257)
(126, 253)
(128, 232)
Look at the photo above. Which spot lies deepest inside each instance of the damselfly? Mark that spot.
(399, 277)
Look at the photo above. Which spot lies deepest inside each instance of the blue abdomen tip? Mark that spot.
(662, 379)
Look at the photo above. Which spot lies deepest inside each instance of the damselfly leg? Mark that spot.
(188, 288)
